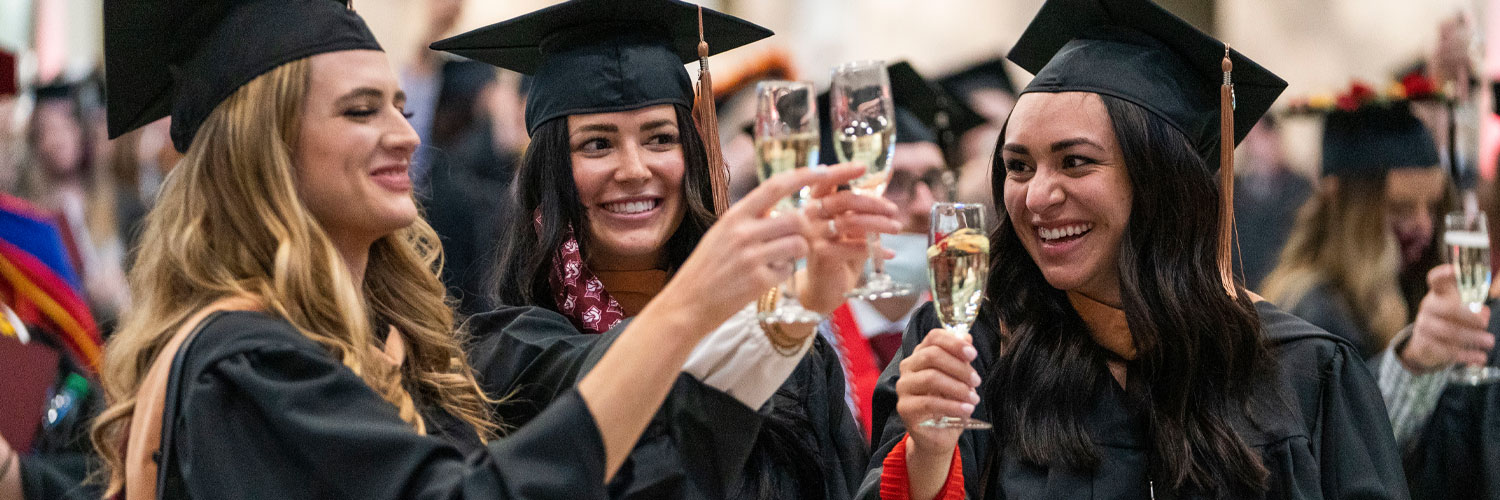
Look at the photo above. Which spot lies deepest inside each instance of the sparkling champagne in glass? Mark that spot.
(864, 128)
(1468, 241)
(786, 139)
(958, 261)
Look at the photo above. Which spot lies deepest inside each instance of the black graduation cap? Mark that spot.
(183, 57)
(1137, 51)
(989, 74)
(597, 56)
(937, 111)
(1374, 139)
(923, 111)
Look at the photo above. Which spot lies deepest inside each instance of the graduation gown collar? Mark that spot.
(1107, 325)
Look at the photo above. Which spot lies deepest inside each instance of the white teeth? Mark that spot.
(1063, 232)
(631, 207)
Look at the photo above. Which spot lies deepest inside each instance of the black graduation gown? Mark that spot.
(1334, 442)
(702, 443)
(463, 208)
(1326, 309)
(1266, 207)
(256, 410)
(1457, 454)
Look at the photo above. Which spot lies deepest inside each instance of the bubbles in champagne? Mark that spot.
(1470, 252)
(872, 148)
(775, 155)
(957, 266)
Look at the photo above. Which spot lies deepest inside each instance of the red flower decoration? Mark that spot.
(1418, 85)
(1348, 102)
(1361, 91)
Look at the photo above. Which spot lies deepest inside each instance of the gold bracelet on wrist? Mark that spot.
(781, 341)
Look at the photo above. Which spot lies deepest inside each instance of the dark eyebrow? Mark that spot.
(597, 127)
(656, 124)
(1016, 148)
(1076, 141)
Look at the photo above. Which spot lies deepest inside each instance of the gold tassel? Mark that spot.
(1226, 178)
(707, 120)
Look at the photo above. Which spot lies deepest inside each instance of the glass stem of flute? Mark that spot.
(791, 282)
(877, 259)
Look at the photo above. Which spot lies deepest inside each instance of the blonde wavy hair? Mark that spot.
(1343, 240)
(229, 223)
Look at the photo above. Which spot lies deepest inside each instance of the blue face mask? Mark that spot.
(910, 264)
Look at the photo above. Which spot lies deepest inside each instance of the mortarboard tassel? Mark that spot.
(707, 120)
(1226, 177)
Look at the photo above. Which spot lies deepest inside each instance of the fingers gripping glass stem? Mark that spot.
(958, 263)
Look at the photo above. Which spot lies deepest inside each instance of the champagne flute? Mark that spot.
(958, 261)
(864, 132)
(786, 138)
(1468, 241)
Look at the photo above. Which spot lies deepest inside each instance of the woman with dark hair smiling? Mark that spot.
(1120, 358)
(615, 191)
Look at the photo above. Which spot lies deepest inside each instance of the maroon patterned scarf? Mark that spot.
(578, 293)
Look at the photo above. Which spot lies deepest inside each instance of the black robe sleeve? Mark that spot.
(975, 447)
(42, 479)
(266, 413)
(1359, 458)
(696, 446)
(526, 357)
(1457, 453)
(807, 423)
(1322, 307)
(765, 453)
(1328, 439)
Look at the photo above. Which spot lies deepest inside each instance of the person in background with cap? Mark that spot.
(61, 175)
(1267, 194)
(1445, 430)
(292, 339)
(986, 88)
(1375, 215)
(1116, 355)
(618, 187)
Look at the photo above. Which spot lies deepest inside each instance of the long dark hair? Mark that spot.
(544, 185)
(1200, 352)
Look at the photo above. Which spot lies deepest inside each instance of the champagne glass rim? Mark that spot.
(858, 64)
(1464, 218)
(957, 205)
(784, 83)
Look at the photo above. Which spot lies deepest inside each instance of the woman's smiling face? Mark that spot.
(1067, 192)
(628, 168)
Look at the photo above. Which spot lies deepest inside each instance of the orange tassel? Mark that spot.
(707, 120)
(1226, 178)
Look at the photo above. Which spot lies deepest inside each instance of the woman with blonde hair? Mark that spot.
(1370, 225)
(291, 339)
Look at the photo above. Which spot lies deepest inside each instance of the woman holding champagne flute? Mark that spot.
(614, 193)
(1374, 224)
(1115, 355)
